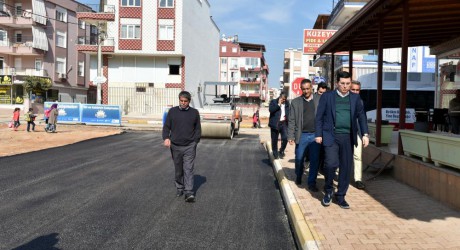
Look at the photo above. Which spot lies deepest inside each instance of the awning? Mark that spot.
(431, 22)
(39, 11)
(40, 40)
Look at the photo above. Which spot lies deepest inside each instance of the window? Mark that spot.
(223, 60)
(81, 24)
(61, 14)
(252, 62)
(38, 64)
(234, 50)
(389, 76)
(166, 32)
(131, 3)
(18, 9)
(141, 89)
(60, 65)
(130, 31)
(18, 36)
(174, 69)
(414, 77)
(81, 68)
(166, 3)
(61, 39)
(234, 63)
(224, 49)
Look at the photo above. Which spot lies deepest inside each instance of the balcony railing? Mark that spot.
(97, 8)
(18, 41)
(92, 40)
(24, 72)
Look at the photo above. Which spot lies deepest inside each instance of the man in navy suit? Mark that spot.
(279, 113)
(337, 118)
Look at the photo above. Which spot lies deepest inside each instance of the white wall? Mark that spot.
(200, 45)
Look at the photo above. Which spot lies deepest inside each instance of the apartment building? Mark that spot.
(244, 63)
(38, 38)
(151, 50)
(297, 65)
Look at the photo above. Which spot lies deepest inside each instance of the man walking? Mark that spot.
(279, 113)
(301, 130)
(357, 152)
(181, 133)
(338, 116)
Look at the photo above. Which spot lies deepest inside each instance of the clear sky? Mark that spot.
(278, 24)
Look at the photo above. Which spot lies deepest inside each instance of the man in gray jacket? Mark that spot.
(301, 130)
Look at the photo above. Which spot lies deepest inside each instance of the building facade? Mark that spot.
(38, 38)
(151, 50)
(244, 63)
(297, 65)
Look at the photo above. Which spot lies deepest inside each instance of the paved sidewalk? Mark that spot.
(387, 215)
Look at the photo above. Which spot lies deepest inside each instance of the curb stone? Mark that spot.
(303, 230)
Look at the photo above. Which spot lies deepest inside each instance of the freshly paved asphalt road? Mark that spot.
(118, 193)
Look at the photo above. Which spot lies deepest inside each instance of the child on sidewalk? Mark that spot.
(47, 117)
(16, 114)
(30, 118)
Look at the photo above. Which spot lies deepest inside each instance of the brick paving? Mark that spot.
(386, 215)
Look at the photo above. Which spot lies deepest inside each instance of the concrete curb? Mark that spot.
(303, 229)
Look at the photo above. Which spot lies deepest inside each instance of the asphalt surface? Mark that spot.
(118, 193)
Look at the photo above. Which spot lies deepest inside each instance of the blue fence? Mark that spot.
(95, 114)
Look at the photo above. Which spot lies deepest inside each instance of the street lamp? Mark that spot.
(101, 36)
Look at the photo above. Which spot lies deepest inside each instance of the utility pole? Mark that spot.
(99, 63)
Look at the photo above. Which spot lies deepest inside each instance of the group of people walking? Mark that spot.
(326, 126)
(50, 118)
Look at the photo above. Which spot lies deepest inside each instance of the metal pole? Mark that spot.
(378, 110)
(403, 88)
(99, 62)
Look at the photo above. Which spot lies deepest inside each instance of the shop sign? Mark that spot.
(5, 80)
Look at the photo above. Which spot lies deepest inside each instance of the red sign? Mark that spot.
(296, 86)
(314, 38)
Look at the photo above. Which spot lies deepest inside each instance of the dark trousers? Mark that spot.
(30, 123)
(275, 133)
(339, 155)
(455, 123)
(184, 164)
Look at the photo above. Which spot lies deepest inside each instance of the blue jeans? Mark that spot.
(307, 144)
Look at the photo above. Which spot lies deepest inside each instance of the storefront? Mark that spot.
(10, 93)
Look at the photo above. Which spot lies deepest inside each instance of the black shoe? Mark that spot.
(343, 204)
(189, 198)
(360, 185)
(179, 193)
(282, 154)
(313, 188)
(298, 180)
(275, 155)
(326, 201)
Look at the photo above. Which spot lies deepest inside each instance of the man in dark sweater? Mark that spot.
(337, 118)
(181, 133)
(301, 131)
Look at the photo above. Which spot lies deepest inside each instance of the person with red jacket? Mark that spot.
(16, 114)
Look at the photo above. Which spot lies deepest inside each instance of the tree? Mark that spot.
(36, 84)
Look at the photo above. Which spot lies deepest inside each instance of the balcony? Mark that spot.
(250, 81)
(250, 69)
(89, 44)
(19, 46)
(13, 18)
(94, 13)
(19, 73)
(251, 93)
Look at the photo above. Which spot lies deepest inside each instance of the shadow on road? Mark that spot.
(198, 181)
(47, 242)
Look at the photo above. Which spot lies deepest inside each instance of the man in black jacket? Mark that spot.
(181, 133)
(279, 113)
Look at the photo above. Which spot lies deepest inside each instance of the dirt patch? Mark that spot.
(21, 141)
